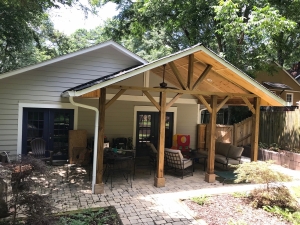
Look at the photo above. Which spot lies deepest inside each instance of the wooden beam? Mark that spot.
(190, 71)
(177, 75)
(209, 175)
(100, 149)
(202, 76)
(114, 98)
(255, 130)
(159, 180)
(191, 92)
(152, 100)
(250, 106)
(204, 102)
(93, 94)
(173, 101)
(223, 103)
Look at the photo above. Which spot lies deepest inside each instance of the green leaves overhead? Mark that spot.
(247, 33)
(25, 32)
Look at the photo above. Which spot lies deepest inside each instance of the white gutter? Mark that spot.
(95, 137)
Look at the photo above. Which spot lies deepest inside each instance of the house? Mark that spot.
(281, 83)
(108, 90)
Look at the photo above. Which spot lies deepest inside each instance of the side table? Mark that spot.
(196, 156)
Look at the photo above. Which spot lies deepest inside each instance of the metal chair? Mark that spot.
(38, 150)
(118, 165)
(176, 162)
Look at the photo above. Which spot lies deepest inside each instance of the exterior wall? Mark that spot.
(283, 77)
(119, 119)
(45, 85)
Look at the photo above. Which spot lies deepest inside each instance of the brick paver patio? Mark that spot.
(143, 203)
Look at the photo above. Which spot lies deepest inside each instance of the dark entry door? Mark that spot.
(52, 125)
(147, 130)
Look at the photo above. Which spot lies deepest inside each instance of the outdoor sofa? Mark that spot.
(226, 153)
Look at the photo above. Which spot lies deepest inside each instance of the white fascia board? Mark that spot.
(73, 54)
(134, 71)
(125, 50)
(244, 76)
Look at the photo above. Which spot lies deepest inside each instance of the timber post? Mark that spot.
(99, 186)
(210, 176)
(255, 129)
(159, 180)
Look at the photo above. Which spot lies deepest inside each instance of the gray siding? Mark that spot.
(45, 85)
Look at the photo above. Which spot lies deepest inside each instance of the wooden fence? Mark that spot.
(242, 132)
(275, 127)
(223, 134)
(281, 128)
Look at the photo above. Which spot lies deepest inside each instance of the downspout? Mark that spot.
(95, 136)
(200, 112)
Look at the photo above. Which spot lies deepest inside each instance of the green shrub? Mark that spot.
(286, 214)
(272, 197)
(89, 216)
(279, 196)
(201, 200)
(259, 173)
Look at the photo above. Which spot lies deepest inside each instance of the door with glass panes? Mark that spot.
(52, 125)
(147, 131)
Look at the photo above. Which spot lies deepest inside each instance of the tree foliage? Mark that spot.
(247, 33)
(26, 31)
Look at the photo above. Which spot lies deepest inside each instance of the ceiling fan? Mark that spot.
(163, 84)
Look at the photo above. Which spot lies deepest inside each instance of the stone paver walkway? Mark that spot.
(143, 203)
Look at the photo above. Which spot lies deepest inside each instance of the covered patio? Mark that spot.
(196, 75)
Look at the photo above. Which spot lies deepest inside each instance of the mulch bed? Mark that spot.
(226, 209)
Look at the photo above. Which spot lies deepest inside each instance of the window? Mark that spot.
(289, 99)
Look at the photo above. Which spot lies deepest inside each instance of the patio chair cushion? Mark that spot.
(235, 152)
(187, 163)
(176, 160)
(234, 161)
(222, 148)
(221, 159)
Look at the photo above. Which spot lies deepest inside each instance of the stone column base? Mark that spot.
(159, 182)
(99, 189)
(210, 178)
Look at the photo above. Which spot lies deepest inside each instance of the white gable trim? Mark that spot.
(135, 71)
(73, 54)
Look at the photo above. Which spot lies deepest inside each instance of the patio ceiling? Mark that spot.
(196, 71)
